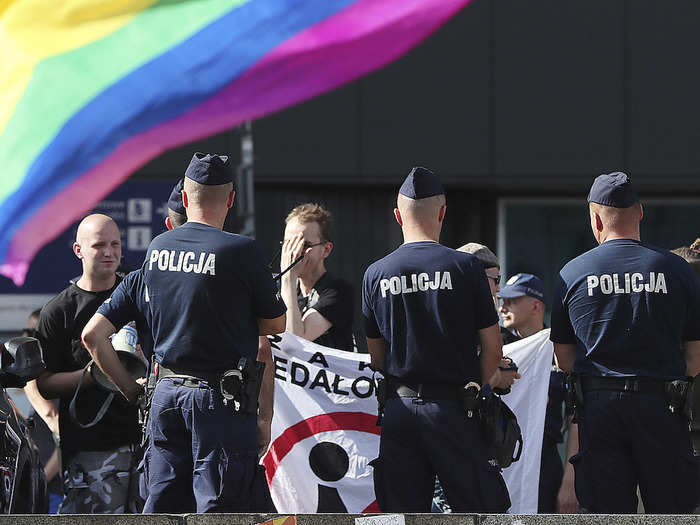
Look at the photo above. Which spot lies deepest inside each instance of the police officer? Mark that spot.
(210, 296)
(425, 308)
(626, 319)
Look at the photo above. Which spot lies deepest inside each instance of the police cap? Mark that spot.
(523, 284)
(175, 200)
(210, 170)
(420, 184)
(613, 189)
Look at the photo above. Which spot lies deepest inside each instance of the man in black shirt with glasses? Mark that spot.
(319, 305)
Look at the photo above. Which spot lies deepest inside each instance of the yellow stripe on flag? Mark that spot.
(33, 30)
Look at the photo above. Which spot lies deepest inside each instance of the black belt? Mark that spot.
(426, 391)
(212, 378)
(642, 385)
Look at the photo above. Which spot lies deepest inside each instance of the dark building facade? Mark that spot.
(517, 105)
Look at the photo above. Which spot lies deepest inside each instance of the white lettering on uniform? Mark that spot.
(633, 283)
(152, 259)
(593, 282)
(435, 283)
(187, 262)
(637, 285)
(660, 284)
(163, 260)
(423, 279)
(384, 286)
(395, 285)
(210, 264)
(420, 282)
(404, 285)
(198, 267)
(180, 261)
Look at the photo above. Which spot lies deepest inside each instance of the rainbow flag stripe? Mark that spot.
(91, 90)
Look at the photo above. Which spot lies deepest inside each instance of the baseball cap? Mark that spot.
(613, 189)
(210, 170)
(175, 200)
(421, 183)
(523, 284)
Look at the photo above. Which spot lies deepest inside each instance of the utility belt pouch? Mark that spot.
(501, 428)
(470, 398)
(240, 386)
(380, 389)
(691, 410)
(677, 393)
(573, 396)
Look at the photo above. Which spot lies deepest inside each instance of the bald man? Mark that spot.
(98, 462)
(425, 309)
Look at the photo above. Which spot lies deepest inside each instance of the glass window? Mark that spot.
(539, 236)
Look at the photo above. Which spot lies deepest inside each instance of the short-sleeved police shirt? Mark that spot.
(127, 303)
(332, 298)
(206, 289)
(628, 307)
(428, 302)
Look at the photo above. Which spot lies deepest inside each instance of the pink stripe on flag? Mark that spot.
(353, 42)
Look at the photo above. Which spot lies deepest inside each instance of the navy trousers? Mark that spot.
(424, 438)
(202, 456)
(628, 439)
(551, 474)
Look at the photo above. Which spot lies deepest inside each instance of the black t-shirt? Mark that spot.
(205, 290)
(332, 297)
(627, 307)
(60, 325)
(428, 302)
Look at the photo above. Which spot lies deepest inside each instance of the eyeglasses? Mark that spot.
(496, 278)
(308, 244)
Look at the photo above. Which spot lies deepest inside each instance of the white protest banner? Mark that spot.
(528, 400)
(324, 430)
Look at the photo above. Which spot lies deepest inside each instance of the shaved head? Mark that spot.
(93, 223)
(203, 195)
(419, 209)
(99, 248)
(420, 219)
(615, 218)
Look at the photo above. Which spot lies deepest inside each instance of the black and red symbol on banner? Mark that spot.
(333, 447)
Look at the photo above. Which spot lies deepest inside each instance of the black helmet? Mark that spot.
(20, 361)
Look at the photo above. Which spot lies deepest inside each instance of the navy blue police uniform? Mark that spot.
(428, 302)
(551, 467)
(128, 301)
(205, 291)
(628, 307)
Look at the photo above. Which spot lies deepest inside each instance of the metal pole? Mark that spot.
(246, 190)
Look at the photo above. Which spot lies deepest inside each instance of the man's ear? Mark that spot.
(397, 216)
(641, 211)
(169, 224)
(76, 250)
(327, 249)
(442, 212)
(231, 198)
(598, 222)
(185, 199)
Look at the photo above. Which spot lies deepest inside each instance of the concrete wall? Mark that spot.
(349, 519)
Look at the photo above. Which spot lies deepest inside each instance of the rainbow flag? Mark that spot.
(90, 90)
